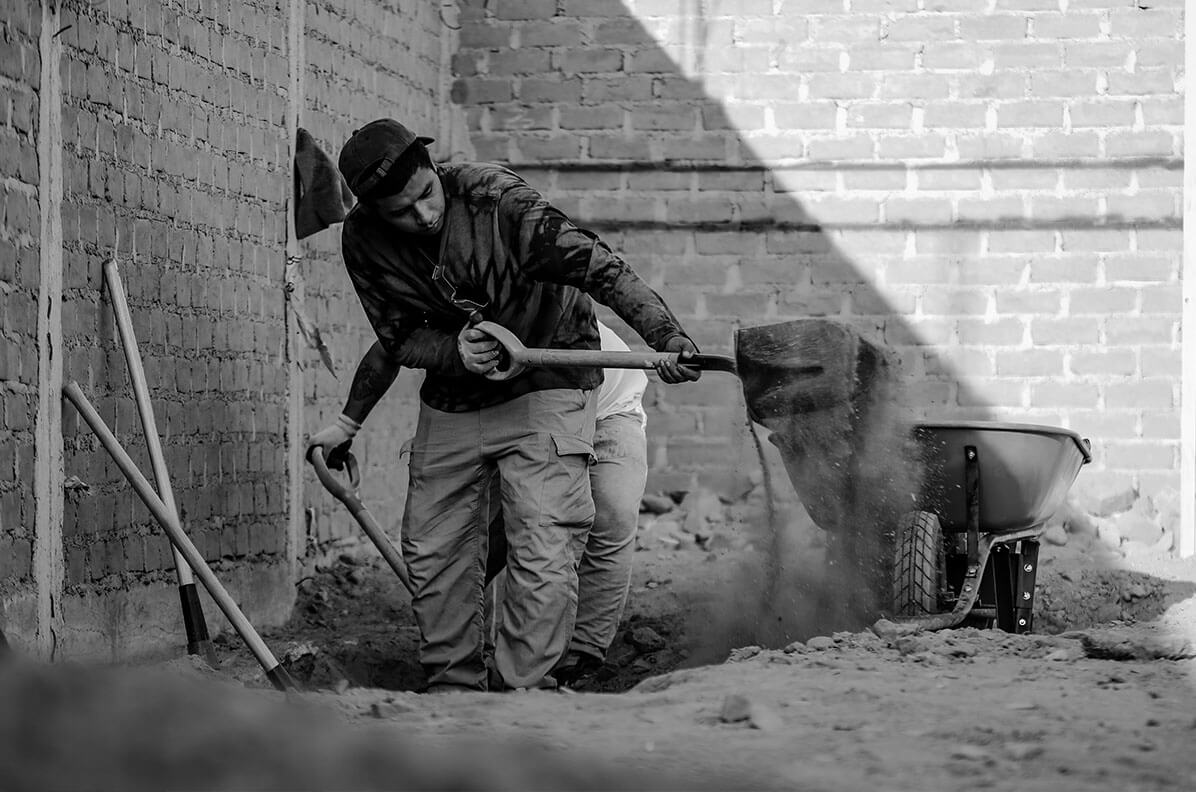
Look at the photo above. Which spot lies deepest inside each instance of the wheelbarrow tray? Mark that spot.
(1025, 472)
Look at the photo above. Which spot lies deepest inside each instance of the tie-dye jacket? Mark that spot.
(507, 253)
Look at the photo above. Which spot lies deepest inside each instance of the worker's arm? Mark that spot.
(374, 376)
(549, 247)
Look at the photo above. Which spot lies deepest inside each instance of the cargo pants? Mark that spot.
(540, 445)
(617, 482)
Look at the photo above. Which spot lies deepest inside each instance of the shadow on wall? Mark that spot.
(619, 137)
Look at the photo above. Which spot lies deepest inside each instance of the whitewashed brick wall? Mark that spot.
(989, 187)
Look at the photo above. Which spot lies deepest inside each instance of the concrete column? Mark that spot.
(293, 277)
(1187, 489)
(48, 477)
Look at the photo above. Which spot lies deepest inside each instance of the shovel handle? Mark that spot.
(339, 490)
(347, 494)
(596, 358)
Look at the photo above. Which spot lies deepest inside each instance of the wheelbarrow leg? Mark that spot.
(1026, 572)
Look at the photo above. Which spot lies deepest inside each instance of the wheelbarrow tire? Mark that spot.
(918, 547)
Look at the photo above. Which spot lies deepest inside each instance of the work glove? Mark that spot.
(673, 373)
(483, 355)
(335, 439)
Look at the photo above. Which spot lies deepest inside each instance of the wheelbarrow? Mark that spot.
(968, 553)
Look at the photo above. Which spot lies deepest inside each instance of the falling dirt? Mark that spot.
(844, 437)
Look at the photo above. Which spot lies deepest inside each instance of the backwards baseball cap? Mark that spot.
(371, 150)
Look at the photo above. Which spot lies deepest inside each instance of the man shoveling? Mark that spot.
(431, 250)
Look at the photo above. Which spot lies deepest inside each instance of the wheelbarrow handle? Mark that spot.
(345, 493)
(596, 358)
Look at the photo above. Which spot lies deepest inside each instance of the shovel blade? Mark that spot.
(803, 366)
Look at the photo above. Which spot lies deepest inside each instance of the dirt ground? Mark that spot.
(1101, 696)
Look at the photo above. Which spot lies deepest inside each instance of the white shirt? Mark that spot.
(622, 390)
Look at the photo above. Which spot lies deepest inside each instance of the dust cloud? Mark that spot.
(855, 468)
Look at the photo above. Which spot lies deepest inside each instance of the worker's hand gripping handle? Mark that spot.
(345, 493)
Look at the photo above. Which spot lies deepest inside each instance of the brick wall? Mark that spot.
(989, 188)
(363, 61)
(20, 28)
(176, 163)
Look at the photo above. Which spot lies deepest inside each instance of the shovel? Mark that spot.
(346, 493)
(803, 365)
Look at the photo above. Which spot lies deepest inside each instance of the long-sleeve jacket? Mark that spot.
(506, 249)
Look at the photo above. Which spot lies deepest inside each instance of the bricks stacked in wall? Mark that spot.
(175, 163)
(20, 30)
(364, 61)
(992, 193)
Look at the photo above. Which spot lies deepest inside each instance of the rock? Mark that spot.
(743, 653)
(1055, 535)
(656, 504)
(645, 639)
(1105, 493)
(1135, 591)
(1058, 655)
(341, 685)
(738, 708)
(820, 642)
(796, 647)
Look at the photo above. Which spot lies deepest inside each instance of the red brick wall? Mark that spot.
(991, 190)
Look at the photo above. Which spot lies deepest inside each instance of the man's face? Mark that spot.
(419, 208)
